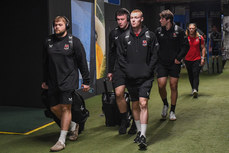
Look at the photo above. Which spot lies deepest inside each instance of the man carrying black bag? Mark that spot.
(115, 74)
(63, 55)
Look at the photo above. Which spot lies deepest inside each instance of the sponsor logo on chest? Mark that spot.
(66, 47)
(174, 35)
(144, 43)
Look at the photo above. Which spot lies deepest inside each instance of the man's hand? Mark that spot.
(110, 75)
(177, 62)
(85, 87)
(44, 86)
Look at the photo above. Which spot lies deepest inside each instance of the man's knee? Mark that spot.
(173, 87)
(135, 105)
(119, 92)
(162, 83)
(143, 104)
(66, 108)
(55, 109)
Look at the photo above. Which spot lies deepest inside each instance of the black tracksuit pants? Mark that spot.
(193, 68)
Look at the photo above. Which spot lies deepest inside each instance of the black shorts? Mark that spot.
(172, 70)
(141, 89)
(215, 52)
(60, 97)
(118, 78)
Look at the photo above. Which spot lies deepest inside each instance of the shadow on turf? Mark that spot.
(189, 95)
(159, 131)
(47, 138)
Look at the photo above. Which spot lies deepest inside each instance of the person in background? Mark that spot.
(173, 47)
(195, 57)
(215, 47)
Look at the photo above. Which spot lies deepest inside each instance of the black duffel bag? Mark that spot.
(79, 111)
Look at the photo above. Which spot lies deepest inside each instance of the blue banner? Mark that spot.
(116, 2)
(81, 25)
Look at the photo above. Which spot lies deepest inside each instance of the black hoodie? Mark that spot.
(138, 57)
(112, 54)
(173, 44)
(61, 63)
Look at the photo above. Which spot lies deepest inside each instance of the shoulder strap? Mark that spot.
(116, 32)
(176, 29)
(70, 37)
(200, 43)
(127, 36)
(148, 38)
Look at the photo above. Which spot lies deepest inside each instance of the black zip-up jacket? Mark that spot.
(112, 54)
(137, 57)
(173, 44)
(61, 63)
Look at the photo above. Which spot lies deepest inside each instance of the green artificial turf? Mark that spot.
(202, 125)
(21, 120)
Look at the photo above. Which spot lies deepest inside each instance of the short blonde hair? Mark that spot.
(137, 11)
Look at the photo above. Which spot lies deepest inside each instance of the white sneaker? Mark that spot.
(172, 116)
(164, 111)
(195, 93)
(73, 135)
(57, 147)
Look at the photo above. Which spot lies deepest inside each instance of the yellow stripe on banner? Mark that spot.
(27, 133)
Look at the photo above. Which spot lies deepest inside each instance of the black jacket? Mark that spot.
(61, 63)
(173, 44)
(138, 57)
(112, 54)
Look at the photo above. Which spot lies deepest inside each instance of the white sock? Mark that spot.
(62, 137)
(143, 129)
(72, 126)
(138, 125)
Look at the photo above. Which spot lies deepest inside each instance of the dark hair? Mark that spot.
(167, 14)
(122, 11)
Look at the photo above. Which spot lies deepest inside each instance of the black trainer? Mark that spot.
(142, 144)
(137, 139)
(123, 127)
(133, 129)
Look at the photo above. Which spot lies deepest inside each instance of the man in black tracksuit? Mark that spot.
(63, 56)
(115, 75)
(137, 51)
(173, 48)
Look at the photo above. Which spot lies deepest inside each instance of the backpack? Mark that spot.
(175, 29)
(201, 34)
(79, 111)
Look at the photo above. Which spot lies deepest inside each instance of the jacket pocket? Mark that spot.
(138, 71)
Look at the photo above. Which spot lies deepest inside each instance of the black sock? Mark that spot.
(165, 102)
(124, 116)
(172, 108)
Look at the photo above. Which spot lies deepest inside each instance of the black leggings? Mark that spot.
(193, 68)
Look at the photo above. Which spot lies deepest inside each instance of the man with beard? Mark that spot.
(63, 55)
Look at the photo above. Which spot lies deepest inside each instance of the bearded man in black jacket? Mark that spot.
(63, 55)
(137, 51)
